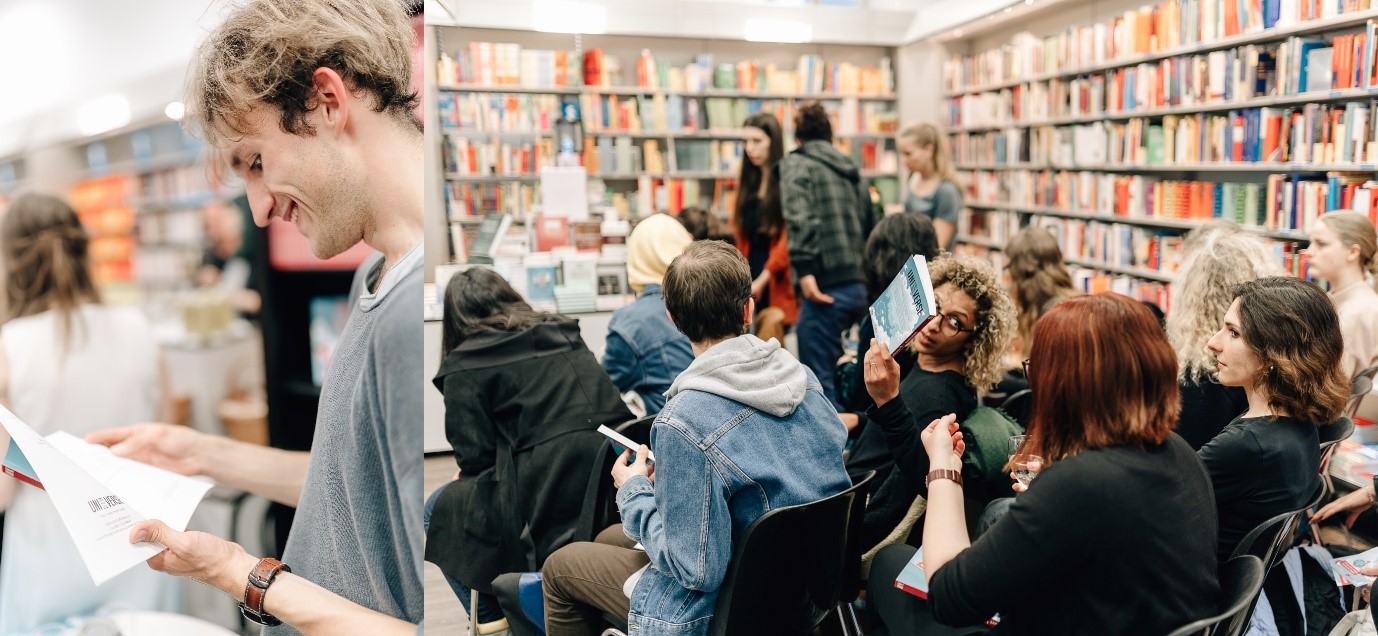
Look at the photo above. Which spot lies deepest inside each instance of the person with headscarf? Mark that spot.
(644, 352)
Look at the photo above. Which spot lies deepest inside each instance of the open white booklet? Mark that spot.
(100, 496)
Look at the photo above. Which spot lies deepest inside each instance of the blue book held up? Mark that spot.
(905, 306)
(914, 580)
(17, 466)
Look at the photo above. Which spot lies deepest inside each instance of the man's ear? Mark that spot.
(330, 98)
(667, 315)
(750, 311)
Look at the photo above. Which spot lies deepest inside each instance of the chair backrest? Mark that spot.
(600, 500)
(1358, 388)
(793, 566)
(1017, 405)
(1336, 431)
(1269, 539)
(1241, 579)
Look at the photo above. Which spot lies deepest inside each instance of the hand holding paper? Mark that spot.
(100, 497)
(197, 555)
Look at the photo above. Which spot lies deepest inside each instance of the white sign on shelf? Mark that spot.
(564, 192)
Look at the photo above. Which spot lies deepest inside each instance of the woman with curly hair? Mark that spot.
(1280, 342)
(1038, 280)
(1217, 257)
(959, 355)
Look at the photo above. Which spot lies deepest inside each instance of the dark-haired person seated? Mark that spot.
(1114, 536)
(1280, 341)
(747, 430)
(523, 401)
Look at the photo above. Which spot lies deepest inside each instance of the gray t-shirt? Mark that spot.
(357, 530)
(943, 204)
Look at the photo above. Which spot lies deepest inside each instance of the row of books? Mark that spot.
(472, 157)
(568, 284)
(507, 64)
(498, 112)
(1088, 280)
(1284, 203)
(673, 113)
(1237, 75)
(1165, 26)
(1312, 133)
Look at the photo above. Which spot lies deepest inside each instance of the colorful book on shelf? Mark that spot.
(489, 235)
(550, 232)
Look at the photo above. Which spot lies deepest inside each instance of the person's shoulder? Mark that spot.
(950, 189)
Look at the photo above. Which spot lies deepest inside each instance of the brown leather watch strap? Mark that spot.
(943, 473)
(262, 576)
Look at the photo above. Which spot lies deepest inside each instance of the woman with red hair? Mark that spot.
(1116, 535)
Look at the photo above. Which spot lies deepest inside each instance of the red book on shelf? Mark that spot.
(1237, 136)
(593, 67)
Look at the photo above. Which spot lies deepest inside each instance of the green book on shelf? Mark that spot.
(725, 77)
(1155, 145)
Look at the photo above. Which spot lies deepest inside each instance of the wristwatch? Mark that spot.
(942, 473)
(262, 576)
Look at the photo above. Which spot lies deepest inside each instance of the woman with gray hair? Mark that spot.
(1218, 256)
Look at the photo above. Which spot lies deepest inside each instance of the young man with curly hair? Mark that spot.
(310, 103)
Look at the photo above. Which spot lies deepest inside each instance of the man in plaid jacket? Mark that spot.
(829, 219)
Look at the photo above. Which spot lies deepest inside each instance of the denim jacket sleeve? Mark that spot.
(683, 520)
(622, 363)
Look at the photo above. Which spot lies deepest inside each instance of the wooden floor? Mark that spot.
(444, 614)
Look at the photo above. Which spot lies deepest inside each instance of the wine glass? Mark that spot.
(1023, 466)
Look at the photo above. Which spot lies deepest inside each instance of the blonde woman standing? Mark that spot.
(933, 189)
(1343, 245)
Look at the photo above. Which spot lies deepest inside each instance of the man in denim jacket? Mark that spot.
(747, 429)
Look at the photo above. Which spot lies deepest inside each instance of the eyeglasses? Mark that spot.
(949, 325)
(1026, 368)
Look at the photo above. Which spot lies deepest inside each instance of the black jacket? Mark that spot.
(521, 411)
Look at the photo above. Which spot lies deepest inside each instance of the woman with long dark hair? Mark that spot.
(523, 400)
(759, 223)
(59, 347)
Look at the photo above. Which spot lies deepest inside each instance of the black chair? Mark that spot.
(1018, 405)
(1331, 435)
(1241, 580)
(792, 568)
(1270, 539)
(600, 498)
(1358, 388)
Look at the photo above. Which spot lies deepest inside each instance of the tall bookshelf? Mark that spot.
(643, 149)
(1122, 133)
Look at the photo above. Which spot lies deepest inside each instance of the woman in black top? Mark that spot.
(523, 401)
(958, 354)
(1115, 534)
(1216, 257)
(895, 240)
(1280, 342)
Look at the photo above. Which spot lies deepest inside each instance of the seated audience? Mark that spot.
(523, 400)
(1280, 342)
(1114, 535)
(959, 355)
(1342, 250)
(644, 352)
(709, 480)
(1216, 258)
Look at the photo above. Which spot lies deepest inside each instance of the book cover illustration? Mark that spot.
(905, 306)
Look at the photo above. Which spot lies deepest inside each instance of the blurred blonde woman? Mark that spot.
(60, 349)
(933, 187)
(1342, 251)
(1217, 257)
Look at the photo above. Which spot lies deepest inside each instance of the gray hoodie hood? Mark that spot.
(757, 373)
(830, 156)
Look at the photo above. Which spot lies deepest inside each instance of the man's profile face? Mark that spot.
(304, 180)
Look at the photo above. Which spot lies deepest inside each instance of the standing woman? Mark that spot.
(59, 345)
(1342, 251)
(1280, 342)
(933, 189)
(759, 223)
(523, 401)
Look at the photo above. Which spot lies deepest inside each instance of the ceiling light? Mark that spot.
(778, 31)
(175, 110)
(565, 16)
(103, 114)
